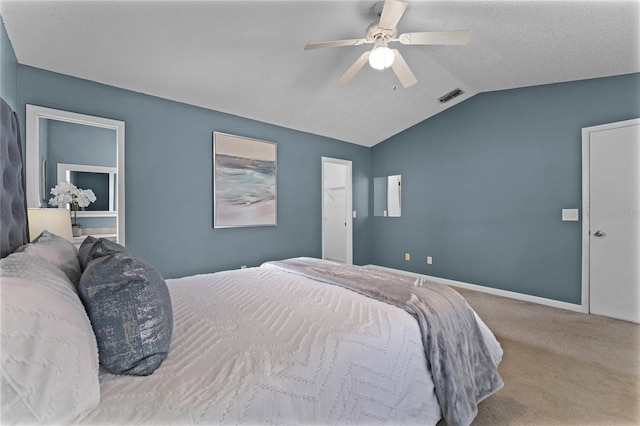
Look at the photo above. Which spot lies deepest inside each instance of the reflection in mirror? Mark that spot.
(86, 151)
(380, 196)
(393, 195)
(101, 180)
(387, 196)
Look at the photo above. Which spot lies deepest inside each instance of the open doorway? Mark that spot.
(337, 234)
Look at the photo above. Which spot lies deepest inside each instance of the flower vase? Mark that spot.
(76, 230)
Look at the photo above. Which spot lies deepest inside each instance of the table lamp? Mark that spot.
(56, 221)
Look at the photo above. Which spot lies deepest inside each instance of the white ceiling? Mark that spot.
(247, 58)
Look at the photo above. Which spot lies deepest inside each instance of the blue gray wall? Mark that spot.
(168, 177)
(484, 184)
(8, 69)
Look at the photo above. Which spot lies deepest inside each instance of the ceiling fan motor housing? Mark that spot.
(375, 32)
(377, 8)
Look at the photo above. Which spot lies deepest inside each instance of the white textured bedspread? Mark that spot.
(262, 346)
(463, 368)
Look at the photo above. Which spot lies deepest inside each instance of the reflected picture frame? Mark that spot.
(244, 182)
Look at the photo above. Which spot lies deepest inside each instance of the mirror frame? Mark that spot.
(386, 202)
(34, 114)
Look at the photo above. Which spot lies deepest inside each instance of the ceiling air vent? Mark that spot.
(452, 94)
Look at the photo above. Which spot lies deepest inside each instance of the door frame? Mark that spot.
(586, 202)
(348, 204)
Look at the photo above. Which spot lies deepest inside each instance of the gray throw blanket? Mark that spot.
(461, 365)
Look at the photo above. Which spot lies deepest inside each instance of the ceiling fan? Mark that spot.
(384, 31)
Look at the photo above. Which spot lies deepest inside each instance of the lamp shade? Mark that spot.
(381, 57)
(56, 221)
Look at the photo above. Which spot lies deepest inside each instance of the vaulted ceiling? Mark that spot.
(247, 57)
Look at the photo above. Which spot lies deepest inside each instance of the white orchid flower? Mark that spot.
(67, 193)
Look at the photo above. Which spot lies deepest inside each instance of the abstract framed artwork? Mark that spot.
(244, 182)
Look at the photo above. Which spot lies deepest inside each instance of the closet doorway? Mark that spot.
(337, 224)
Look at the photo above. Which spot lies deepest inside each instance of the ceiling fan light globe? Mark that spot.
(381, 57)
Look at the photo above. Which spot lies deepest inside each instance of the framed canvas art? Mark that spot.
(244, 181)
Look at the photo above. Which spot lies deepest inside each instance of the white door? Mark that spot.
(614, 219)
(336, 210)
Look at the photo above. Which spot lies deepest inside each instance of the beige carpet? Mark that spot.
(560, 367)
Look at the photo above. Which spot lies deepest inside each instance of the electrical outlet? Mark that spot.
(429, 260)
(407, 256)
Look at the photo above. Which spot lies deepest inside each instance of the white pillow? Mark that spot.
(57, 251)
(49, 357)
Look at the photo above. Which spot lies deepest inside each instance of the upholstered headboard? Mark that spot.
(14, 229)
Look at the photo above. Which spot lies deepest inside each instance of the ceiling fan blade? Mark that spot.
(353, 70)
(436, 37)
(402, 70)
(392, 11)
(336, 43)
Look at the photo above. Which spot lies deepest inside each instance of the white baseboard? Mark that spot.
(490, 290)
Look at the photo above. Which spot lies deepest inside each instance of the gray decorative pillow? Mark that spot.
(83, 251)
(57, 251)
(129, 306)
(93, 247)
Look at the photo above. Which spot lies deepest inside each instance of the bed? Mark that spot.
(296, 341)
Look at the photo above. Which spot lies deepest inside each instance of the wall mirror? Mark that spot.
(85, 150)
(387, 196)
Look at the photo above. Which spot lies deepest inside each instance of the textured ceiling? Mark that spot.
(247, 58)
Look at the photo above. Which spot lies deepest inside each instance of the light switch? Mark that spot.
(354, 214)
(570, 215)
